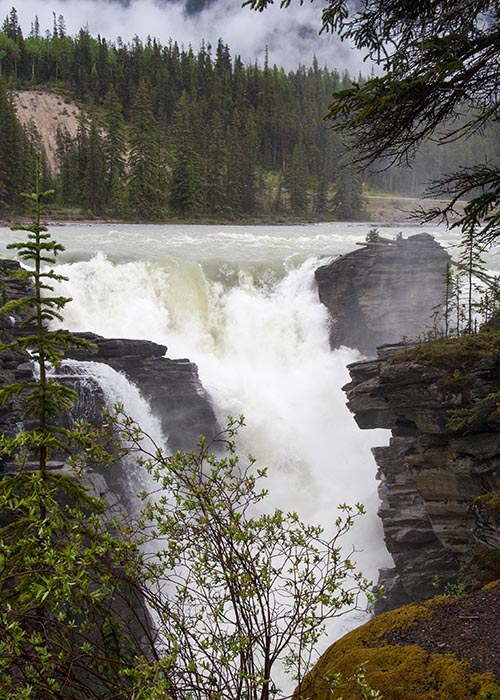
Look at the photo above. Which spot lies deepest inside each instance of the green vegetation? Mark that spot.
(70, 612)
(221, 140)
(394, 670)
(203, 593)
(438, 61)
(247, 589)
(174, 133)
(454, 353)
(45, 399)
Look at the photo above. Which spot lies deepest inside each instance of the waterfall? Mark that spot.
(118, 390)
(242, 305)
(262, 349)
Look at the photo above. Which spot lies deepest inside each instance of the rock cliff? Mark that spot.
(384, 292)
(171, 385)
(438, 483)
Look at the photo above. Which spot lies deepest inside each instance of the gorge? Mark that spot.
(243, 305)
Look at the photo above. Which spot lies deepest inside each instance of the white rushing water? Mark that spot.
(242, 303)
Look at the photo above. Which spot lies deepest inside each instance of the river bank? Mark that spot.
(379, 208)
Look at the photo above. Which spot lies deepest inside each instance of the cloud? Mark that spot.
(291, 35)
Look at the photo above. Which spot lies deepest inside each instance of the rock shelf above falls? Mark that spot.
(384, 291)
(435, 482)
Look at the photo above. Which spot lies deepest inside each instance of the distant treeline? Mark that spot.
(166, 131)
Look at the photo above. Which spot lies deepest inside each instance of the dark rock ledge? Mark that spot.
(383, 292)
(172, 386)
(437, 486)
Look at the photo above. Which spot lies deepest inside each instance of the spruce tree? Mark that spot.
(146, 189)
(185, 197)
(114, 152)
(93, 192)
(243, 158)
(14, 150)
(216, 181)
(471, 264)
(45, 399)
(297, 180)
(68, 169)
(348, 199)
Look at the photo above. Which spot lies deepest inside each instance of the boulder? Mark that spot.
(443, 649)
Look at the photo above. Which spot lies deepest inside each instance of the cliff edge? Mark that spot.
(439, 477)
(385, 291)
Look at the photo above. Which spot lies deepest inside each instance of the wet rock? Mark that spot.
(384, 292)
(172, 386)
(434, 480)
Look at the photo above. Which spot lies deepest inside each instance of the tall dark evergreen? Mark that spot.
(94, 175)
(68, 191)
(297, 181)
(243, 162)
(16, 154)
(348, 199)
(185, 191)
(146, 182)
(114, 152)
(217, 194)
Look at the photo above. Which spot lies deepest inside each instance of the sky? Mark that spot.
(291, 35)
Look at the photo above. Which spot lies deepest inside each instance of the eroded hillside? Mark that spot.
(47, 112)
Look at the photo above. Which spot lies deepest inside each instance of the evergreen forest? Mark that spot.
(166, 132)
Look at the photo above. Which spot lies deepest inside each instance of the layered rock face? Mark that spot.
(172, 387)
(383, 292)
(434, 480)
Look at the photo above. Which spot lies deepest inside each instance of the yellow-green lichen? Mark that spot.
(490, 501)
(397, 672)
(491, 584)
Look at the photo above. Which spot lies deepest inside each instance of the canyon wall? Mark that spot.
(385, 291)
(438, 485)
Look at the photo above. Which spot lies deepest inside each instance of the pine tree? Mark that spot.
(146, 190)
(114, 153)
(216, 180)
(243, 157)
(82, 153)
(93, 192)
(68, 169)
(348, 199)
(471, 263)
(185, 196)
(12, 30)
(297, 181)
(45, 398)
(15, 151)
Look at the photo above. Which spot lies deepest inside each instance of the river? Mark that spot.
(241, 302)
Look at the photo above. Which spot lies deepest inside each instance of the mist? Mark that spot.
(291, 36)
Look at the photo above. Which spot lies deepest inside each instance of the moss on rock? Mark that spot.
(451, 354)
(398, 672)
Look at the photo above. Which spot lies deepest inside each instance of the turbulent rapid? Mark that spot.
(241, 303)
